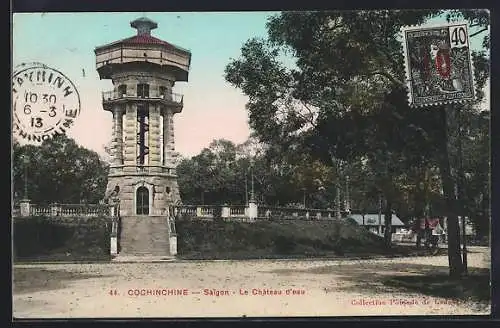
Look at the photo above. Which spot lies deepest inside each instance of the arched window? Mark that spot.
(143, 90)
(163, 92)
(142, 201)
(122, 90)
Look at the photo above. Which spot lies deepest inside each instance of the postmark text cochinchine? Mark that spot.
(45, 102)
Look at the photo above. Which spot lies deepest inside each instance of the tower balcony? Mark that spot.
(110, 98)
(118, 170)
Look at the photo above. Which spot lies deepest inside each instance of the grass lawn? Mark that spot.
(282, 239)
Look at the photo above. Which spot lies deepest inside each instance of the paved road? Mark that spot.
(233, 288)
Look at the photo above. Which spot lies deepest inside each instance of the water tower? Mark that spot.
(143, 70)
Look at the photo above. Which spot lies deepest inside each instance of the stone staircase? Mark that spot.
(143, 235)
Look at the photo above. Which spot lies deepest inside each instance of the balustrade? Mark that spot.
(206, 211)
(90, 210)
(229, 212)
(237, 211)
(141, 169)
(153, 94)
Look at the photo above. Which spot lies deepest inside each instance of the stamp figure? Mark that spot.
(438, 64)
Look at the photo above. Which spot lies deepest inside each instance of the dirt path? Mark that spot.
(233, 288)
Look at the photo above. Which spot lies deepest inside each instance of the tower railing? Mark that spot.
(113, 95)
(141, 169)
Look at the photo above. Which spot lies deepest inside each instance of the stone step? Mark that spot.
(144, 235)
(143, 258)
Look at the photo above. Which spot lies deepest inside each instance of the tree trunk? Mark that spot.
(387, 224)
(337, 202)
(454, 258)
(336, 166)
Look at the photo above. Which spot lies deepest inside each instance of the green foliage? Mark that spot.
(223, 173)
(477, 169)
(264, 239)
(215, 176)
(59, 171)
(345, 103)
(50, 238)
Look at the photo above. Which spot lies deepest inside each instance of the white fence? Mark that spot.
(251, 212)
(248, 212)
(89, 210)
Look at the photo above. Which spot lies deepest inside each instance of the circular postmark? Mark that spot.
(45, 102)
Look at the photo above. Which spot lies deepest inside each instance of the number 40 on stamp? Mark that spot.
(438, 64)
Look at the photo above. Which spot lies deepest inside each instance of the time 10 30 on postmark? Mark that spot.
(45, 102)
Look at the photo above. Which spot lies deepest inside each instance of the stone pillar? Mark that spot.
(225, 213)
(114, 246)
(171, 142)
(168, 137)
(252, 210)
(25, 207)
(118, 135)
(114, 237)
(130, 154)
(113, 211)
(172, 233)
(173, 244)
(154, 136)
(55, 209)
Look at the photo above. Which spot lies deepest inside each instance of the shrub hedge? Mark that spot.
(272, 239)
(61, 238)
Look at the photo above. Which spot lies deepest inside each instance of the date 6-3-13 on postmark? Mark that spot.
(45, 102)
(438, 64)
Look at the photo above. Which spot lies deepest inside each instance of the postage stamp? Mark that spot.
(45, 102)
(438, 64)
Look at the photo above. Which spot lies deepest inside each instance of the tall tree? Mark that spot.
(59, 171)
(345, 97)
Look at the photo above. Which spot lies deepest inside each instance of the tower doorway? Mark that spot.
(142, 201)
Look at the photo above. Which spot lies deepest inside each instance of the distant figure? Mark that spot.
(115, 192)
(439, 230)
(427, 228)
(431, 233)
(113, 195)
(418, 228)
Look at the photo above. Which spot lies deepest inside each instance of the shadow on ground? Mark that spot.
(30, 280)
(311, 253)
(399, 278)
(63, 257)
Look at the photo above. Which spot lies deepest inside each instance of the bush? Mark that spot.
(291, 237)
(61, 237)
(284, 245)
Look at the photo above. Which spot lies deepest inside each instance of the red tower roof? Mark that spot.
(143, 37)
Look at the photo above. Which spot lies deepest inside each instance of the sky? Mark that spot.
(213, 109)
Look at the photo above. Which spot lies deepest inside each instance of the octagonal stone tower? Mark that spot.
(143, 70)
